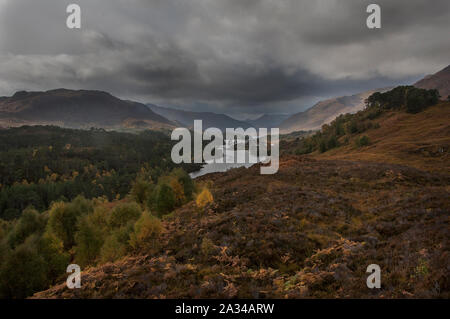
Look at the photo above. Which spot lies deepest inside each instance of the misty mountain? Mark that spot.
(186, 118)
(324, 112)
(77, 109)
(439, 81)
(268, 120)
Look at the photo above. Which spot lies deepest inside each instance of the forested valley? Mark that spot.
(84, 196)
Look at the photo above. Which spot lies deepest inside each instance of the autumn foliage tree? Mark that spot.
(204, 198)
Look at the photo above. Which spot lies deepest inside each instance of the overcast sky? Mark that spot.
(240, 57)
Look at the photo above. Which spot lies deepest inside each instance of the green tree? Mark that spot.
(113, 247)
(88, 241)
(31, 222)
(165, 199)
(23, 272)
(362, 141)
(185, 180)
(124, 213)
(52, 250)
(141, 190)
(147, 230)
(63, 219)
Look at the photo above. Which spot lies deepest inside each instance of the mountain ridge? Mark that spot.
(77, 109)
(209, 119)
(324, 112)
(269, 120)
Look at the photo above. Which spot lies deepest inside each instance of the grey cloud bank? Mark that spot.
(231, 56)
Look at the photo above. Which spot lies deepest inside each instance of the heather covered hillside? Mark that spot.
(404, 126)
(440, 81)
(309, 231)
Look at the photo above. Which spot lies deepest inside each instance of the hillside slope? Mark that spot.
(419, 140)
(439, 81)
(76, 109)
(324, 112)
(309, 231)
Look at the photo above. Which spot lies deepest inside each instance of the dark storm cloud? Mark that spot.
(234, 56)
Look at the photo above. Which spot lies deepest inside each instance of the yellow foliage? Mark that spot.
(178, 191)
(146, 232)
(204, 198)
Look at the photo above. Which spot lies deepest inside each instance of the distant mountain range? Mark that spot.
(269, 120)
(186, 118)
(325, 111)
(85, 109)
(77, 109)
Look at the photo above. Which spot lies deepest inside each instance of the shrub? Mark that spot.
(123, 214)
(352, 127)
(207, 247)
(185, 180)
(204, 198)
(113, 248)
(141, 190)
(165, 199)
(178, 192)
(332, 142)
(322, 146)
(146, 232)
(362, 141)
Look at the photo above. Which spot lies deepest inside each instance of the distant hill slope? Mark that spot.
(186, 118)
(324, 112)
(439, 81)
(413, 133)
(420, 140)
(76, 109)
(269, 120)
